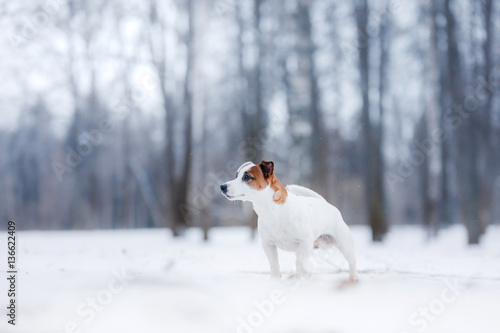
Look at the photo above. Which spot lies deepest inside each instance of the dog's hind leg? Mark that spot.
(343, 241)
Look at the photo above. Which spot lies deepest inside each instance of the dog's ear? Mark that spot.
(267, 168)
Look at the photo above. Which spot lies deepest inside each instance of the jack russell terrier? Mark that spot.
(294, 218)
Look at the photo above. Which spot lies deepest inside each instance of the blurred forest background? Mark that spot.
(125, 114)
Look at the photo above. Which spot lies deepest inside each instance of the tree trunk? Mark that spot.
(467, 138)
(253, 115)
(445, 205)
(177, 181)
(181, 183)
(372, 139)
(309, 149)
(488, 152)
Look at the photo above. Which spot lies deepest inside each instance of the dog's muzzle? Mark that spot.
(223, 188)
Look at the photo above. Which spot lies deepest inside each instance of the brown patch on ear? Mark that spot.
(259, 182)
(267, 168)
(280, 192)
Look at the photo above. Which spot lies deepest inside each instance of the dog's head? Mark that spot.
(250, 181)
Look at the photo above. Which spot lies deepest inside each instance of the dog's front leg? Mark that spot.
(272, 257)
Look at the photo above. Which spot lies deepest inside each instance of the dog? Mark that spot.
(294, 218)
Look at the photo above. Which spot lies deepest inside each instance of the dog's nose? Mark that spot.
(223, 188)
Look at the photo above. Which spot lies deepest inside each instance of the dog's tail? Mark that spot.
(302, 191)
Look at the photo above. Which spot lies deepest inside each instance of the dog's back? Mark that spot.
(302, 191)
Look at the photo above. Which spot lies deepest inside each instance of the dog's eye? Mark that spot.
(246, 177)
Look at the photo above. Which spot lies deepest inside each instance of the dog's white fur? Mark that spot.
(304, 221)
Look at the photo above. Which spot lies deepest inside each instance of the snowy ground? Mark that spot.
(68, 283)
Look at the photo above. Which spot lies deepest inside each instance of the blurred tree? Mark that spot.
(253, 114)
(88, 110)
(177, 165)
(308, 151)
(467, 138)
(180, 189)
(438, 37)
(487, 149)
(372, 134)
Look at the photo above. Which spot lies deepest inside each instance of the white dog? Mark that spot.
(293, 219)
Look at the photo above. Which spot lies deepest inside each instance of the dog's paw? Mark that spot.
(353, 279)
(300, 276)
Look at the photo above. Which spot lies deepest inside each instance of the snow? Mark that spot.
(185, 285)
